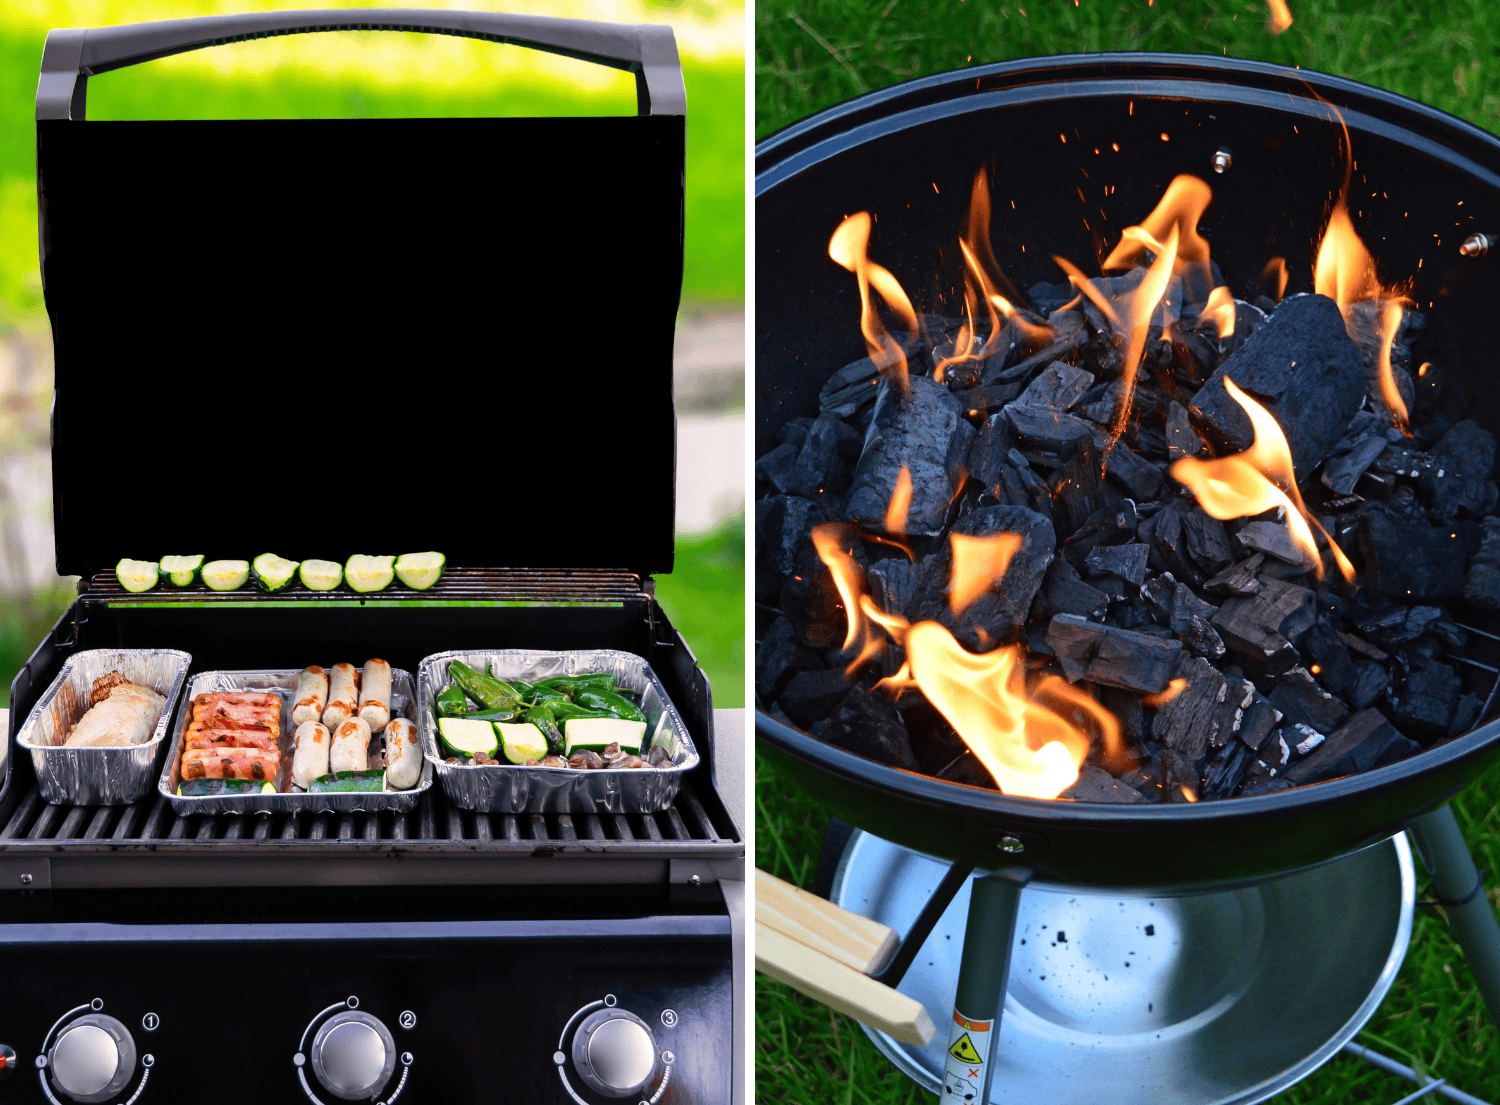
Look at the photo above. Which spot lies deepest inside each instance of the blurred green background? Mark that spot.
(812, 54)
(362, 75)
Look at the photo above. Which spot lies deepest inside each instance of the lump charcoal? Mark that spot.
(1064, 592)
(1238, 579)
(1301, 739)
(1227, 770)
(1038, 495)
(1269, 786)
(1302, 702)
(1181, 774)
(1114, 525)
(981, 401)
(1160, 592)
(1119, 291)
(810, 598)
(1482, 583)
(1077, 487)
(1065, 321)
(1366, 330)
(1462, 481)
(987, 454)
(1370, 685)
(1145, 778)
(1128, 710)
(779, 658)
(1367, 740)
(1047, 297)
(1097, 785)
(1465, 715)
(1206, 541)
(1049, 429)
(1341, 473)
(1190, 722)
(1182, 439)
(1186, 606)
(1126, 561)
(917, 432)
(968, 770)
(1106, 406)
(1422, 621)
(999, 612)
(775, 467)
(812, 695)
(1274, 539)
(1058, 387)
(1114, 657)
(856, 384)
(1257, 722)
(1263, 627)
(1410, 563)
(1200, 639)
(1163, 532)
(819, 467)
(781, 523)
(1329, 659)
(1302, 367)
(794, 431)
(868, 725)
(1140, 477)
(1016, 493)
(1427, 698)
(893, 583)
(995, 373)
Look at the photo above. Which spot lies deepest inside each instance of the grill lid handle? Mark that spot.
(649, 51)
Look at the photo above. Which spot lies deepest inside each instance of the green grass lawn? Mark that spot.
(810, 54)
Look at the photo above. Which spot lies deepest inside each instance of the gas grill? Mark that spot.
(277, 268)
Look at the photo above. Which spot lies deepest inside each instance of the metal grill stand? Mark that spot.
(1460, 890)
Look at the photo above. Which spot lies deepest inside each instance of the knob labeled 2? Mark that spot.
(614, 1052)
(353, 1055)
(92, 1058)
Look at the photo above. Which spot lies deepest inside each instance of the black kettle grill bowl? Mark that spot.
(1047, 129)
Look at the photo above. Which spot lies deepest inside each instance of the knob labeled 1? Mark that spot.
(353, 1055)
(614, 1052)
(92, 1058)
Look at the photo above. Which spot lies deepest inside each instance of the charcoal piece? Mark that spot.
(1133, 472)
(1382, 620)
(868, 725)
(1417, 622)
(1200, 639)
(1159, 593)
(781, 524)
(1163, 533)
(1064, 592)
(979, 402)
(1000, 611)
(1056, 388)
(1146, 778)
(1206, 541)
(819, 467)
(1302, 702)
(1077, 487)
(893, 583)
(1465, 714)
(1128, 710)
(1126, 561)
(1047, 428)
(780, 715)
(1114, 525)
(776, 467)
(1064, 321)
(1301, 738)
(810, 598)
(1191, 721)
(1097, 785)
(1328, 658)
(1462, 482)
(1370, 685)
(1366, 324)
(1482, 583)
(1341, 473)
(995, 373)
(1263, 627)
(1365, 741)
(1238, 579)
(779, 658)
(987, 454)
(1410, 563)
(1114, 657)
(917, 432)
(1120, 291)
(1186, 606)
(1270, 786)
(968, 770)
(1301, 366)
(1182, 776)
(854, 385)
(811, 695)
(1274, 539)
(1182, 439)
(1106, 406)
(1227, 770)
(1427, 698)
(1257, 722)
(1038, 494)
(794, 431)
(1016, 493)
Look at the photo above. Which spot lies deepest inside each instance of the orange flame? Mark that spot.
(978, 564)
(1143, 305)
(900, 504)
(850, 246)
(1276, 267)
(1187, 793)
(1281, 16)
(1181, 206)
(1157, 701)
(1220, 309)
(1390, 323)
(983, 276)
(1257, 480)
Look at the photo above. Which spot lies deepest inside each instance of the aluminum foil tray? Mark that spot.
(99, 776)
(287, 800)
(507, 788)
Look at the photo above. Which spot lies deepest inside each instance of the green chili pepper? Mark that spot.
(542, 696)
(571, 685)
(568, 711)
(484, 689)
(451, 702)
(611, 703)
(542, 718)
(493, 715)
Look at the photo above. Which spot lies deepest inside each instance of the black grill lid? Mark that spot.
(323, 337)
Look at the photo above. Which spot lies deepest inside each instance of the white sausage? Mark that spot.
(403, 757)
(351, 746)
(375, 694)
(310, 756)
(343, 696)
(312, 695)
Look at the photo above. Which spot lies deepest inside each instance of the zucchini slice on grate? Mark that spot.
(369, 573)
(226, 575)
(137, 575)
(321, 575)
(181, 571)
(273, 572)
(420, 570)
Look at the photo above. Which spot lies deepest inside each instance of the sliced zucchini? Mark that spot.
(343, 782)
(181, 571)
(522, 741)
(420, 570)
(598, 733)
(137, 575)
(464, 737)
(321, 575)
(226, 575)
(273, 572)
(369, 573)
(202, 788)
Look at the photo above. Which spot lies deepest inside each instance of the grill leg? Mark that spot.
(982, 977)
(1458, 886)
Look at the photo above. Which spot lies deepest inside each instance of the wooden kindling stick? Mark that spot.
(828, 953)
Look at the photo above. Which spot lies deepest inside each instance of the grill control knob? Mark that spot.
(614, 1052)
(92, 1058)
(353, 1055)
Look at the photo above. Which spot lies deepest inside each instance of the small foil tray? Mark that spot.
(509, 788)
(106, 776)
(288, 799)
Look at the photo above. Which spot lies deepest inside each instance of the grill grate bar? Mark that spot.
(235, 828)
(69, 828)
(44, 822)
(99, 823)
(22, 817)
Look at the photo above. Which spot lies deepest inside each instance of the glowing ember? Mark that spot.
(849, 246)
(1257, 480)
(1220, 309)
(1281, 16)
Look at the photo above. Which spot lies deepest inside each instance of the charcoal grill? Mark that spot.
(909, 155)
(476, 956)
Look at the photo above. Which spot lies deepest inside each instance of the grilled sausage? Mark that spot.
(310, 756)
(312, 695)
(343, 696)
(351, 746)
(403, 756)
(375, 695)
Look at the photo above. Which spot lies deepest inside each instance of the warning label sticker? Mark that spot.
(963, 1050)
(968, 1048)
